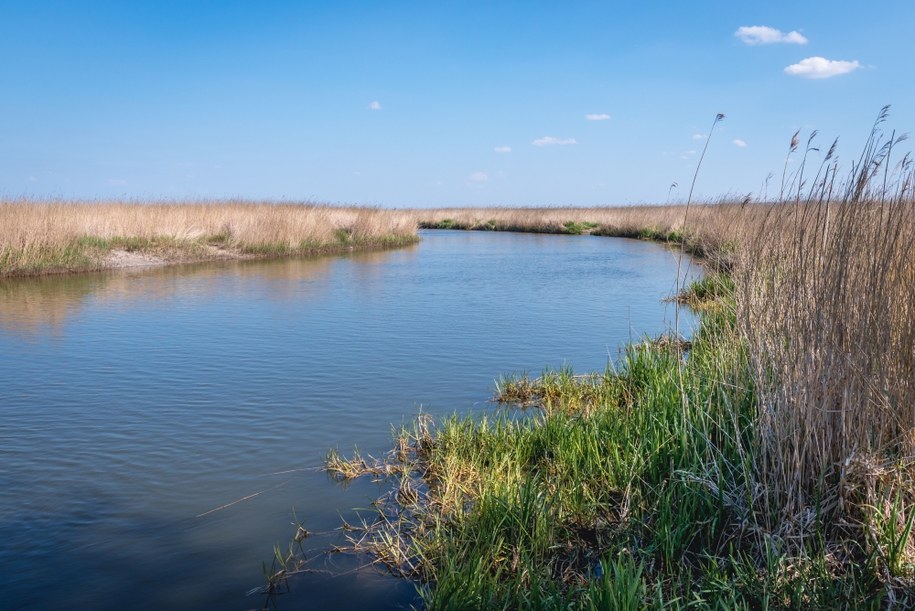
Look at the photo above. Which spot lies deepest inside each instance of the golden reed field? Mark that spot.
(62, 236)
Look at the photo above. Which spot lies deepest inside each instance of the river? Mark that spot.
(160, 429)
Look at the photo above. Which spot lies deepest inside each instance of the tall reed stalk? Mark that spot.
(689, 198)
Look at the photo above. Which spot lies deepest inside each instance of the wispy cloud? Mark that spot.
(32, 179)
(699, 136)
(503, 149)
(552, 141)
(597, 117)
(116, 182)
(739, 143)
(375, 105)
(478, 177)
(764, 35)
(687, 154)
(820, 67)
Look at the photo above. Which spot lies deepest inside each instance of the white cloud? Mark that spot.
(764, 35)
(597, 117)
(699, 136)
(478, 177)
(820, 67)
(740, 143)
(552, 141)
(503, 149)
(116, 182)
(375, 105)
(32, 179)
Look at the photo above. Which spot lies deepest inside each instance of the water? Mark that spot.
(137, 407)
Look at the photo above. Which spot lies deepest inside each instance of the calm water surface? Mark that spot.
(137, 407)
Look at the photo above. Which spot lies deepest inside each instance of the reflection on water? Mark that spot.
(30, 306)
(159, 427)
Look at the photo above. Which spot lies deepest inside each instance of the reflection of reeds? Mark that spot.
(41, 237)
(41, 304)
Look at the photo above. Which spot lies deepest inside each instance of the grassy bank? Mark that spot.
(57, 237)
(767, 463)
(657, 222)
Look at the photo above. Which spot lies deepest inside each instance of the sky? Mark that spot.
(437, 103)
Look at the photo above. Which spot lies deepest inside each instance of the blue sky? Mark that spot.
(435, 103)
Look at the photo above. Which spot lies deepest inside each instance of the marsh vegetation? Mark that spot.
(767, 463)
(53, 237)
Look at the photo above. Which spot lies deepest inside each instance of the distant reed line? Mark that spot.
(55, 237)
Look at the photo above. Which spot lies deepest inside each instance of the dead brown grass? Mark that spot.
(47, 237)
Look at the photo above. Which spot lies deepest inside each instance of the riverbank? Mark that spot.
(39, 238)
(708, 230)
(768, 462)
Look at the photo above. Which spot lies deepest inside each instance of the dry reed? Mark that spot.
(44, 237)
(826, 302)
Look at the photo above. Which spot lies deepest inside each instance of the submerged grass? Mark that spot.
(767, 463)
(56, 237)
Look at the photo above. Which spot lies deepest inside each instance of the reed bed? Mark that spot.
(769, 462)
(826, 305)
(630, 221)
(54, 237)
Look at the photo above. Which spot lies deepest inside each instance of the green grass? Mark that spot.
(344, 241)
(576, 228)
(707, 292)
(80, 254)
